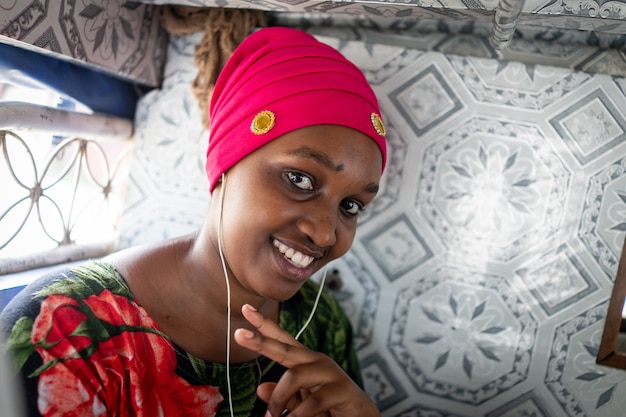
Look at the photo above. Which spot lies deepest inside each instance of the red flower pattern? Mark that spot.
(127, 372)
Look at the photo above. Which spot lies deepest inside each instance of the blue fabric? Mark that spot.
(99, 91)
(7, 295)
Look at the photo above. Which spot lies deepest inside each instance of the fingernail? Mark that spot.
(251, 307)
(246, 333)
(268, 414)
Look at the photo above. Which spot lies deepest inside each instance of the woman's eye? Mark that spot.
(352, 207)
(300, 180)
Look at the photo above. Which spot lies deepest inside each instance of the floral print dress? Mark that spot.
(83, 346)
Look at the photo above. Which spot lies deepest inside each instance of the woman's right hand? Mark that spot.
(313, 385)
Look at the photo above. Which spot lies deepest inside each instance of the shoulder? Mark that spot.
(77, 283)
(72, 310)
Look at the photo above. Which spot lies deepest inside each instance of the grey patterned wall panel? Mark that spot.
(573, 49)
(124, 37)
(479, 278)
(120, 37)
(588, 15)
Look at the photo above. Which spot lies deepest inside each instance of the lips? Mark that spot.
(296, 258)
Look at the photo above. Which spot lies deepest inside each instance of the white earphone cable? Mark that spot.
(228, 299)
(228, 308)
(317, 299)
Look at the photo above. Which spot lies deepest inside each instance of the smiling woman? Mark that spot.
(148, 330)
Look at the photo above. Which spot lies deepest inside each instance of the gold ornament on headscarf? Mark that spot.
(378, 124)
(263, 122)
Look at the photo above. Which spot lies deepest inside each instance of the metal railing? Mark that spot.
(62, 181)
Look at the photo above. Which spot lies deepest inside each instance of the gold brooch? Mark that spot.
(263, 122)
(378, 124)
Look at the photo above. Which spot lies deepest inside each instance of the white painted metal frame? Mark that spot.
(83, 134)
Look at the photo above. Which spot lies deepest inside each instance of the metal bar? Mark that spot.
(504, 23)
(23, 116)
(58, 255)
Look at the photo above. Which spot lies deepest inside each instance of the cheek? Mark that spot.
(246, 214)
(345, 238)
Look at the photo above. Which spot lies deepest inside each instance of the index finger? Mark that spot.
(285, 354)
(266, 326)
(271, 341)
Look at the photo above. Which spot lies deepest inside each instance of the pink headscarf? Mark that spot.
(279, 80)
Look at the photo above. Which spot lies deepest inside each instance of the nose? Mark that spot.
(320, 225)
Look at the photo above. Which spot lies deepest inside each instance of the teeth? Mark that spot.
(298, 259)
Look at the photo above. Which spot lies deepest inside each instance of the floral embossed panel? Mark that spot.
(397, 247)
(491, 188)
(603, 221)
(120, 37)
(529, 404)
(514, 83)
(382, 386)
(573, 378)
(557, 279)
(462, 336)
(593, 125)
(426, 100)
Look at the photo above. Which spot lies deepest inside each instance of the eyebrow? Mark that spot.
(306, 152)
(372, 188)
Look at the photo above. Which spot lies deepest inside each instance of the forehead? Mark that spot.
(330, 145)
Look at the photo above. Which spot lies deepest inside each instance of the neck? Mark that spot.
(205, 286)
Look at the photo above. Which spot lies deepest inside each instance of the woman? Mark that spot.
(220, 322)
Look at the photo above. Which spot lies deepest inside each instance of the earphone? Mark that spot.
(228, 309)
